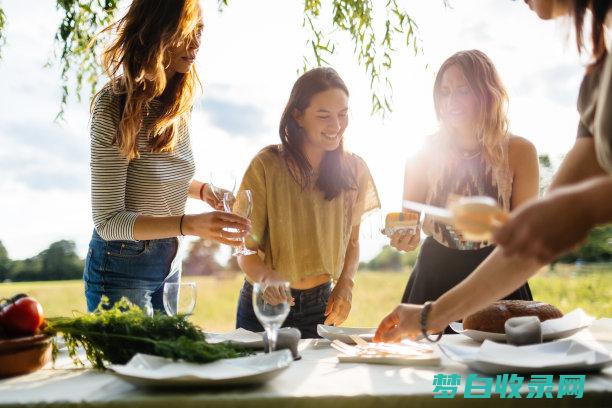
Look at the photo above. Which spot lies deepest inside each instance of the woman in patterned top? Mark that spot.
(141, 161)
(541, 230)
(473, 154)
(309, 196)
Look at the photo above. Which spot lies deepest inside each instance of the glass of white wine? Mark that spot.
(221, 182)
(240, 204)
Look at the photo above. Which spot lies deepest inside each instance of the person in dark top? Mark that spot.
(539, 231)
(473, 154)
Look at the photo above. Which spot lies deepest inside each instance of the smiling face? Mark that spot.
(458, 104)
(324, 120)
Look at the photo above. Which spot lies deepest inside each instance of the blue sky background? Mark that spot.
(249, 60)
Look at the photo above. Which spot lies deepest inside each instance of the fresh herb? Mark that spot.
(117, 333)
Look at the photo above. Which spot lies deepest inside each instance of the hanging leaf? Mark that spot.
(76, 45)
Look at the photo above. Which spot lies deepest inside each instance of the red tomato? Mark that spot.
(21, 317)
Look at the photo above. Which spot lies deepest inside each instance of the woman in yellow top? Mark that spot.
(309, 196)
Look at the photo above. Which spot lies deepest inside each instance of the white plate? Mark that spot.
(240, 337)
(560, 356)
(553, 329)
(344, 333)
(152, 371)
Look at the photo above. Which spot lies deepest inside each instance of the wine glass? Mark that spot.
(179, 298)
(271, 316)
(240, 204)
(221, 182)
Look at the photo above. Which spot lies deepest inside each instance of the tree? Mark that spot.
(5, 262)
(201, 258)
(58, 262)
(376, 40)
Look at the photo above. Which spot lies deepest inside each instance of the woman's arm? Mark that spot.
(209, 225)
(547, 228)
(339, 303)
(254, 268)
(495, 278)
(523, 161)
(579, 164)
(565, 215)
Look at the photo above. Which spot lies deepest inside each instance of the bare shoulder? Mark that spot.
(520, 150)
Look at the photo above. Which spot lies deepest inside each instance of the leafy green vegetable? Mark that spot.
(117, 333)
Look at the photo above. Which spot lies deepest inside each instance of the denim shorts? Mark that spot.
(133, 269)
(306, 314)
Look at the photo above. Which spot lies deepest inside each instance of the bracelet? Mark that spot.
(181, 225)
(202, 191)
(424, 314)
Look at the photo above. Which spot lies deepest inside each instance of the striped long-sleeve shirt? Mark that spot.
(154, 184)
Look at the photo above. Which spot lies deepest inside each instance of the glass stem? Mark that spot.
(272, 332)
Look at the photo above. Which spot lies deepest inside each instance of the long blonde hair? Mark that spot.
(492, 122)
(135, 62)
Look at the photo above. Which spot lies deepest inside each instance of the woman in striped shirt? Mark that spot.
(141, 160)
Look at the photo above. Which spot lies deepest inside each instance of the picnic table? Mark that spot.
(317, 380)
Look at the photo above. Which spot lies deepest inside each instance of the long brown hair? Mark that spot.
(135, 62)
(336, 174)
(492, 122)
(599, 10)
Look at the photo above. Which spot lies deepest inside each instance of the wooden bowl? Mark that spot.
(24, 354)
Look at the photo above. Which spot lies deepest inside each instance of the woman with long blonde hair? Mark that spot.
(541, 230)
(142, 165)
(473, 154)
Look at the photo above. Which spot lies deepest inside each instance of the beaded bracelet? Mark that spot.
(424, 314)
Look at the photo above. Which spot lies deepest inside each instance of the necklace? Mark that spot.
(469, 154)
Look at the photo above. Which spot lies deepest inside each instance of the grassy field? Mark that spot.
(375, 294)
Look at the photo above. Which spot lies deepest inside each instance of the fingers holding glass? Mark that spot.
(271, 314)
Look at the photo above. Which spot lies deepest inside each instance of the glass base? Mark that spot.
(243, 251)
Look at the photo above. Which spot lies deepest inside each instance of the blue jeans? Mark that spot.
(133, 269)
(306, 314)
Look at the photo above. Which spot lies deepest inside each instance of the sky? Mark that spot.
(249, 60)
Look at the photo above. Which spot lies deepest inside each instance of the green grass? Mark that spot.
(375, 294)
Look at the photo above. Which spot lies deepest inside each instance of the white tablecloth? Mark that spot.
(317, 380)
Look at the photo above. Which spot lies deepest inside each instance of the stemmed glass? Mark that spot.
(271, 315)
(240, 204)
(222, 182)
(179, 298)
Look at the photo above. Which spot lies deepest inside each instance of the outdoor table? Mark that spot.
(317, 380)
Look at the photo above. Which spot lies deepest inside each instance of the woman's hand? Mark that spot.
(339, 303)
(275, 292)
(405, 241)
(211, 198)
(211, 226)
(547, 228)
(402, 322)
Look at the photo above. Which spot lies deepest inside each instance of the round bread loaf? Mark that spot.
(492, 318)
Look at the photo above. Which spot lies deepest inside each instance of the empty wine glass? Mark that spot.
(271, 313)
(221, 182)
(240, 204)
(179, 298)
